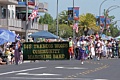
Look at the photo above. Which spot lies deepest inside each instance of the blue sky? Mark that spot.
(86, 6)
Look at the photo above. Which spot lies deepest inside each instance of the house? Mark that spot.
(13, 16)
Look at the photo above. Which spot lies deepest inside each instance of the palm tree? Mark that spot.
(89, 21)
(63, 18)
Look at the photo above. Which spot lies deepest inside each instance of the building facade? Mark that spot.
(13, 16)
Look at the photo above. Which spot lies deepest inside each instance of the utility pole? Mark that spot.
(105, 20)
(106, 14)
(100, 7)
(26, 28)
(100, 13)
(57, 20)
(73, 21)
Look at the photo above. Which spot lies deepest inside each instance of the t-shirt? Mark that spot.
(78, 44)
(70, 43)
(83, 42)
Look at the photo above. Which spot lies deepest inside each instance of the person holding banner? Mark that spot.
(17, 52)
(71, 53)
(77, 46)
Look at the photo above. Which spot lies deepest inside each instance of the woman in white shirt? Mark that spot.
(92, 49)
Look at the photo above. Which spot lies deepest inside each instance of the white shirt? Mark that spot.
(78, 44)
(83, 42)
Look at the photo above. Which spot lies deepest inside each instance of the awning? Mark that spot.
(29, 12)
(44, 34)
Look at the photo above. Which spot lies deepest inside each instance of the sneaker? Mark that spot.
(98, 58)
(82, 62)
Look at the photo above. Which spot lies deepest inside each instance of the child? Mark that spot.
(8, 54)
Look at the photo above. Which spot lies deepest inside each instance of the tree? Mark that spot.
(63, 18)
(65, 31)
(41, 20)
(87, 21)
(113, 28)
(46, 19)
(52, 28)
(113, 31)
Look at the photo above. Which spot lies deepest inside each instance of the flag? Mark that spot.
(75, 26)
(34, 13)
(77, 29)
(102, 29)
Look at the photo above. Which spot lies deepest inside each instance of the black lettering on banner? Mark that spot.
(45, 51)
(60, 45)
(58, 56)
(39, 56)
(43, 46)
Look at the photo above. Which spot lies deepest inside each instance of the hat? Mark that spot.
(7, 48)
(70, 37)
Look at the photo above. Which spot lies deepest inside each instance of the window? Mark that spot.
(12, 14)
(21, 0)
(3, 12)
(8, 13)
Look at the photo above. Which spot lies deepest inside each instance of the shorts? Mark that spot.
(109, 50)
(70, 50)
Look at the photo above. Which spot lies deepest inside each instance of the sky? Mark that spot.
(86, 6)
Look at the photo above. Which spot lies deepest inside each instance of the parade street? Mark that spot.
(105, 69)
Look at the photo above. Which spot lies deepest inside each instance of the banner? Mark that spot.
(101, 20)
(70, 13)
(76, 13)
(46, 51)
(108, 21)
(97, 20)
(31, 2)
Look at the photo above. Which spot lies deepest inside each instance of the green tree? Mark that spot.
(46, 19)
(65, 31)
(41, 20)
(63, 18)
(113, 28)
(52, 28)
(113, 31)
(87, 21)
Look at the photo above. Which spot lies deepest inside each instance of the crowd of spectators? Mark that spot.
(11, 53)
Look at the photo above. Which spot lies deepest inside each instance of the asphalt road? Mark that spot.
(105, 69)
